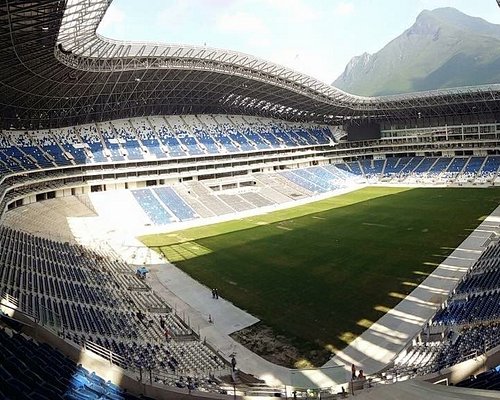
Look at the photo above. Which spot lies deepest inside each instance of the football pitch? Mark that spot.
(322, 273)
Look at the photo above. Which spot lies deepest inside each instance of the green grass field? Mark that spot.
(323, 272)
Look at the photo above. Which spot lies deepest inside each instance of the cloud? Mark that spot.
(174, 15)
(249, 26)
(113, 19)
(300, 11)
(305, 61)
(241, 22)
(297, 10)
(344, 8)
(259, 42)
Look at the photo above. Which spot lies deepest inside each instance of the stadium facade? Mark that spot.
(81, 113)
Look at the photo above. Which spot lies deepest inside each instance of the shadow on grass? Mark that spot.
(318, 278)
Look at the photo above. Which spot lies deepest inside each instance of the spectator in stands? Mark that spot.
(167, 334)
(361, 375)
(162, 322)
(191, 386)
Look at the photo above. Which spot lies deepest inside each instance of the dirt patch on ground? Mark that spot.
(279, 349)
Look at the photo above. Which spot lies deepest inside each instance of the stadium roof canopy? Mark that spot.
(55, 70)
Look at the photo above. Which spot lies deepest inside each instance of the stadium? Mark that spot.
(162, 206)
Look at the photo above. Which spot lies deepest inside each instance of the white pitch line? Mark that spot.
(374, 224)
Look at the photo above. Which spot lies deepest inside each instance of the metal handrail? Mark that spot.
(47, 317)
(112, 357)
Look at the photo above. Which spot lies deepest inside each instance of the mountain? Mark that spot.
(443, 48)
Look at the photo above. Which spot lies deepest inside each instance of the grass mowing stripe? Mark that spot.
(344, 261)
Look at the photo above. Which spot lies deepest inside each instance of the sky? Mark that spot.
(315, 37)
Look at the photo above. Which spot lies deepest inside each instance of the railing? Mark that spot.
(107, 354)
(50, 319)
(160, 376)
(259, 390)
(8, 302)
(137, 288)
(144, 374)
(160, 310)
(45, 317)
(156, 375)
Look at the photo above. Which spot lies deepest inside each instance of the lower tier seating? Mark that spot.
(29, 370)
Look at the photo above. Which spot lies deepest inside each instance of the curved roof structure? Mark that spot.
(55, 70)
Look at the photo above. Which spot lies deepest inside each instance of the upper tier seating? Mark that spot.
(111, 140)
(72, 145)
(147, 138)
(164, 137)
(151, 138)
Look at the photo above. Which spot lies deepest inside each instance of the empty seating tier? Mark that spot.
(86, 295)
